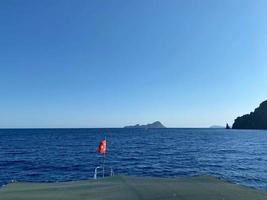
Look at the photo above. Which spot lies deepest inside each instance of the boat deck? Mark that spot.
(130, 188)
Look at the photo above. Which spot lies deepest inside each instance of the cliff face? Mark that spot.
(156, 124)
(254, 120)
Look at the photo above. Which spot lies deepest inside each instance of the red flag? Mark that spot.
(102, 147)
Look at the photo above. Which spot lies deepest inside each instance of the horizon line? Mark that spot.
(103, 128)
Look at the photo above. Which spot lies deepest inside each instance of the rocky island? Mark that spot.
(156, 124)
(254, 120)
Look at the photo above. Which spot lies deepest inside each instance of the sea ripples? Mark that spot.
(48, 155)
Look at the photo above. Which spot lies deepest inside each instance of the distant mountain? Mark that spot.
(254, 120)
(217, 126)
(156, 124)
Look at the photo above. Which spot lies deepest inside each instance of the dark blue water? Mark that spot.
(47, 155)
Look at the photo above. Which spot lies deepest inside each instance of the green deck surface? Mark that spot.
(128, 188)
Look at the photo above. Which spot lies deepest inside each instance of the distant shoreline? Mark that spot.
(131, 128)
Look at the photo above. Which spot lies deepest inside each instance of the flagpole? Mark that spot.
(103, 172)
(104, 161)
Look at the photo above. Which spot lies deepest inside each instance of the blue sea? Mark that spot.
(49, 155)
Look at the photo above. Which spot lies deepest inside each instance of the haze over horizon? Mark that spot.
(116, 63)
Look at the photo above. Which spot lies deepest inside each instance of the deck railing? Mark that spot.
(103, 172)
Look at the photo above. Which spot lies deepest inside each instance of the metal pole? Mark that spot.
(95, 175)
(104, 159)
(103, 165)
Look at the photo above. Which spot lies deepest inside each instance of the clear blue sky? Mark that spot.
(74, 63)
